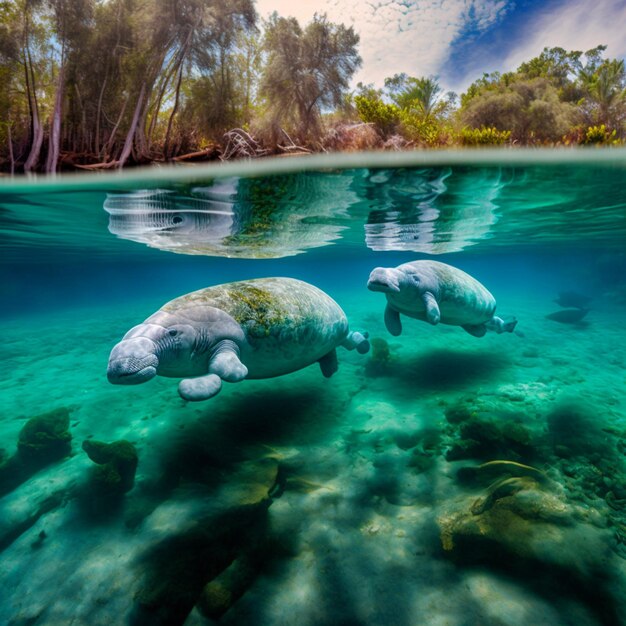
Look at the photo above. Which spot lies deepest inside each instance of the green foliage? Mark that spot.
(425, 131)
(172, 77)
(374, 111)
(419, 95)
(530, 109)
(599, 135)
(556, 64)
(485, 136)
(307, 69)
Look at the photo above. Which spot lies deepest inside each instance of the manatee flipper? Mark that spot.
(201, 388)
(500, 326)
(328, 364)
(226, 364)
(392, 321)
(433, 315)
(357, 341)
(476, 330)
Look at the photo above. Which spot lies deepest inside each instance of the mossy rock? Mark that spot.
(522, 529)
(117, 464)
(45, 438)
(484, 439)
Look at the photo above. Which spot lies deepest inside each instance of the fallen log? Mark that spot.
(198, 154)
(97, 166)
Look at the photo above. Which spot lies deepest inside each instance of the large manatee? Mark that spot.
(250, 329)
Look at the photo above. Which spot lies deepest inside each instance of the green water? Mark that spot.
(439, 479)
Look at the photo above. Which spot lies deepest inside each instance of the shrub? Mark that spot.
(427, 131)
(599, 135)
(485, 136)
(375, 111)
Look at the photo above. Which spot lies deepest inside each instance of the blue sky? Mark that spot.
(458, 40)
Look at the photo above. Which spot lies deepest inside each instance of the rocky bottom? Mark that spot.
(441, 480)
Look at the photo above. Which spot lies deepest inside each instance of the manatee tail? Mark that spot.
(499, 325)
(357, 341)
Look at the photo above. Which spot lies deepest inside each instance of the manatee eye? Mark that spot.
(172, 332)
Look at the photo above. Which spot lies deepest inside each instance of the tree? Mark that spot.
(606, 91)
(416, 95)
(556, 64)
(306, 71)
(530, 109)
(71, 19)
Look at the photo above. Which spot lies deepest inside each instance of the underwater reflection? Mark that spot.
(247, 218)
(430, 210)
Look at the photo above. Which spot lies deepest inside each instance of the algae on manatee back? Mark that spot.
(257, 308)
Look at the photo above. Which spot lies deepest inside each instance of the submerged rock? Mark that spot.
(212, 556)
(45, 438)
(117, 464)
(519, 527)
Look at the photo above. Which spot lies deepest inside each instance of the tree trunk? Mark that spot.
(54, 142)
(173, 113)
(10, 139)
(96, 147)
(111, 140)
(128, 144)
(37, 140)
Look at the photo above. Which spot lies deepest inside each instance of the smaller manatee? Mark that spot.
(437, 293)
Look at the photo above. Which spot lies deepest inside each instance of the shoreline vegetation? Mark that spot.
(92, 85)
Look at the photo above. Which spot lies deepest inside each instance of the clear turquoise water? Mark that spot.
(359, 499)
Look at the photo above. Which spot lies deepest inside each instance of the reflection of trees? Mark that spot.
(430, 210)
(266, 217)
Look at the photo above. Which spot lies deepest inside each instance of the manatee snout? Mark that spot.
(132, 361)
(384, 279)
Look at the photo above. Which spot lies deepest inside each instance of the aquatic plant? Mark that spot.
(479, 437)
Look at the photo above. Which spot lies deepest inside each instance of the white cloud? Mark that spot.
(398, 35)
